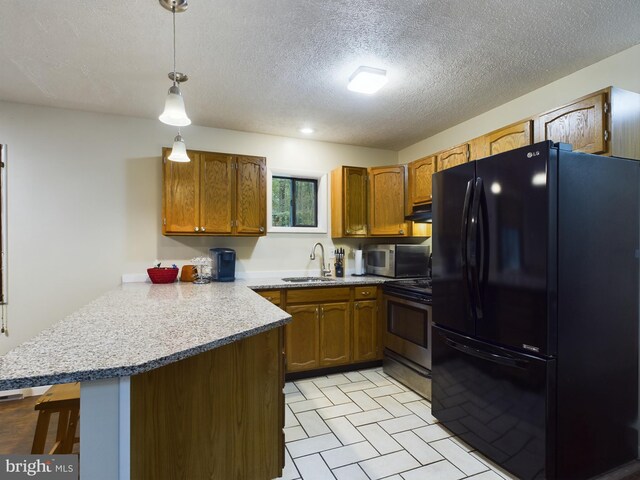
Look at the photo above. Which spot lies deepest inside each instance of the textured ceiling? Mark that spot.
(273, 66)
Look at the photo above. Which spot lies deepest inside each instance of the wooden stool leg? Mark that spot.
(63, 422)
(41, 432)
(67, 446)
(61, 432)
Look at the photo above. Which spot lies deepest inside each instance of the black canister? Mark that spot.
(224, 264)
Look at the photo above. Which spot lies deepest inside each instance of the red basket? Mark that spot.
(163, 274)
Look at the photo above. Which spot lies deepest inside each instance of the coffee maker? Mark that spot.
(224, 264)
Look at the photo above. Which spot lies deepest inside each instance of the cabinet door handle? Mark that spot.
(269, 298)
(196, 229)
(202, 228)
(401, 232)
(364, 294)
(261, 229)
(348, 231)
(357, 305)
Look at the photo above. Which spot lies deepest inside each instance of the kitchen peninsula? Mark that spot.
(177, 381)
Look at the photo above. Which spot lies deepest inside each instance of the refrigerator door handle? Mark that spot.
(491, 357)
(463, 244)
(473, 254)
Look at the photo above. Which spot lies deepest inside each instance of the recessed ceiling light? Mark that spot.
(307, 130)
(367, 80)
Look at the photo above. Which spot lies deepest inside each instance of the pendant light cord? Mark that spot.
(173, 10)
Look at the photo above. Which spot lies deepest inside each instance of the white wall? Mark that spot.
(621, 70)
(85, 192)
(85, 205)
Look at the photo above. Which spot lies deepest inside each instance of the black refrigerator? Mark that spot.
(535, 309)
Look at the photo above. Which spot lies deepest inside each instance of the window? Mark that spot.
(294, 202)
(298, 201)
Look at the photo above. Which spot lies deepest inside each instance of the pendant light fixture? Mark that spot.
(174, 112)
(179, 150)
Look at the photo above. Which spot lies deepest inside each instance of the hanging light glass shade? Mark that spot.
(179, 150)
(174, 112)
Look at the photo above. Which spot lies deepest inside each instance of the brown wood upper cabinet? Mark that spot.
(370, 202)
(452, 157)
(387, 201)
(420, 172)
(349, 202)
(509, 138)
(582, 123)
(214, 194)
(251, 196)
(216, 190)
(606, 122)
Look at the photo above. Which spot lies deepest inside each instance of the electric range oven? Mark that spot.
(407, 335)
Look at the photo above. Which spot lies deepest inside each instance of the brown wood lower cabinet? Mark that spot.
(218, 414)
(302, 338)
(319, 335)
(331, 326)
(272, 295)
(365, 330)
(335, 334)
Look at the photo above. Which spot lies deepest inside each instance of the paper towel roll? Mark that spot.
(359, 267)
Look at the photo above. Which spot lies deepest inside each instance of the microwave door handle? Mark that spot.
(473, 250)
(463, 245)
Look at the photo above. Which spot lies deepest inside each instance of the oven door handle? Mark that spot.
(463, 245)
(491, 357)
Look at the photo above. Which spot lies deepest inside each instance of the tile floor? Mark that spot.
(364, 425)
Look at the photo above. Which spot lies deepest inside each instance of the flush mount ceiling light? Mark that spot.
(174, 112)
(367, 80)
(179, 150)
(307, 130)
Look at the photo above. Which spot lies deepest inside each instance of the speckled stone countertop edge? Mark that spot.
(127, 371)
(277, 283)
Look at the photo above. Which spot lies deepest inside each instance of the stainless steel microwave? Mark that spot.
(396, 260)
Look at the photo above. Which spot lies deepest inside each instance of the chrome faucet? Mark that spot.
(324, 272)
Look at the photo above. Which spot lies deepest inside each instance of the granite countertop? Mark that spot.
(138, 327)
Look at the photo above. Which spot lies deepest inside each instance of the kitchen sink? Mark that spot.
(307, 279)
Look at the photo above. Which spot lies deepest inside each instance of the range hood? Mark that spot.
(420, 214)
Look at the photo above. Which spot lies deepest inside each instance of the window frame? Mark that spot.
(322, 199)
(293, 207)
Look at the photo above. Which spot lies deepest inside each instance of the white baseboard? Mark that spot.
(26, 392)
